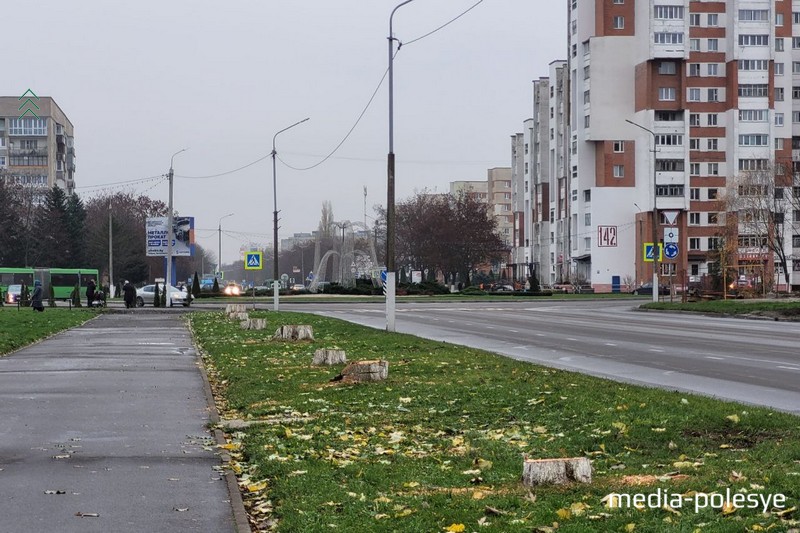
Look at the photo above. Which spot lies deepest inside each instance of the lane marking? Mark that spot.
(715, 358)
(513, 331)
(790, 368)
(610, 344)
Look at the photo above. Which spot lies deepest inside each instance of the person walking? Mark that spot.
(129, 292)
(36, 297)
(90, 288)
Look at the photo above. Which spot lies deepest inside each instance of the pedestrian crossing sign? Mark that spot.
(253, 261)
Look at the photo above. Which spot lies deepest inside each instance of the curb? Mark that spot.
(240, 517)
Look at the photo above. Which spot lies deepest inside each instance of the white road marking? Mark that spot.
(656, 350)
(716, 358)
(513, 331)
(610, 344)
(790, 368)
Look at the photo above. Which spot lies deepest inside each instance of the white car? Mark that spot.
(144, 296)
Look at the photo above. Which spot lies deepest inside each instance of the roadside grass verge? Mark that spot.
(21, 327)
(768, 308)
(440, 444)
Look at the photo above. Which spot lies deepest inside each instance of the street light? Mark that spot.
(390, 214)
(275, 216)
(219, 229)
(170, 232)
(656, 286)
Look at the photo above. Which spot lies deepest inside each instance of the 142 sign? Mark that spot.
(606, 236)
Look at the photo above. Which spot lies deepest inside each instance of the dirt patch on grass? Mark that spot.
(733, 437)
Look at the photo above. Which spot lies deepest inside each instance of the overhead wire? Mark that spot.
(443, 25)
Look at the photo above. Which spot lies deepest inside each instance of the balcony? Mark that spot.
(28, 152)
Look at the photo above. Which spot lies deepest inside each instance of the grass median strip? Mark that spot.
(439, 445)
(20, 327)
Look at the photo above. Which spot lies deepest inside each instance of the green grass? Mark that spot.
(21, 327)
(441, 442)
(734, 307)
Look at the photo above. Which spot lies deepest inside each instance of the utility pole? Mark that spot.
(110, 255)
(170, 234)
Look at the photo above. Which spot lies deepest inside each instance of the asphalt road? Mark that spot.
(109, 419)
(751, 361)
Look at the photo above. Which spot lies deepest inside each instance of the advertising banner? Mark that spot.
(183, 231)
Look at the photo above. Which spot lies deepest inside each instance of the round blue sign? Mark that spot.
(671, 250)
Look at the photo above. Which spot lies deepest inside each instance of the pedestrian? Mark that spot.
(129, 292)
(36, 298)
(90, 288)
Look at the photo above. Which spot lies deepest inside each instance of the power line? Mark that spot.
(227, 172)
(443, 25)
(101, 185)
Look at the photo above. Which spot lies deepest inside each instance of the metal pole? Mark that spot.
(110, 255)
(656, 249)
(275, 218)
(390, 207)
(170, 234)
(219, 229)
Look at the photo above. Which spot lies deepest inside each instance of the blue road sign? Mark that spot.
(671, 250)
(648, 252)
(383, 276)
(252, 261)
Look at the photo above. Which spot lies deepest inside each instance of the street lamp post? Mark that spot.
(219, 230)
(656, 249)
(275, 217)
(390, 211)
(170, 232)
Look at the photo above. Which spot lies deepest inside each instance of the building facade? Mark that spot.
(36, 150)
(672, 104)
(478, 190)
(499, 195)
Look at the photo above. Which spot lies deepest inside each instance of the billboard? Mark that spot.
(183, 231)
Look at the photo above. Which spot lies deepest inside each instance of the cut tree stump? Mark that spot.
(239, 316)
(363, 371)
(556, 471)
(294, 333)
(325, 356)
(254, 323)
(230, 309)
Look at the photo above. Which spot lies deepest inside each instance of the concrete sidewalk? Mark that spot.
(111, 418)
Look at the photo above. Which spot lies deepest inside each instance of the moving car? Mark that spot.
(647, 288)
(297, 287)
(144, 296)
(13, 293)
(232, 289)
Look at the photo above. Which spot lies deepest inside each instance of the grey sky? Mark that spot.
(141, 80)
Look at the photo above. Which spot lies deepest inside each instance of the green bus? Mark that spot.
(62, 280)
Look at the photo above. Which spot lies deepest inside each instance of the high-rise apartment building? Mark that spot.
(499, 195)
(38, 149)
(714, 88)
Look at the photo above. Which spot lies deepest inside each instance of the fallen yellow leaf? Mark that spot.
(564, 514)
(630, 527)
(733, 418)
(455, 528)
(728, 508)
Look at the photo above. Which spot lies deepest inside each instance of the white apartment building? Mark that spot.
(715, 90)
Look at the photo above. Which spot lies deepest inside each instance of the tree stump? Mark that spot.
(556, 471)
(235, 308)
(294, 333)
(325, 356)
(254, 323)
(363, 371)
(239, 316)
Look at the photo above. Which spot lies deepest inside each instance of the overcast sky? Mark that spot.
(141, 80)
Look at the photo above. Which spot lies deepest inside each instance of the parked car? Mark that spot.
(13, 293)
(144, 296)
(297, 287)
(503, 288)
(647, 288)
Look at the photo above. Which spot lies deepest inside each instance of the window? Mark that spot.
(666, 94)
(694, 144)
(753, 15)
(619, 23)
(668, 12)
(712, 119)
(668, 139)
(694, 119)
(694, 169)
(753, 164)
(2, 160)
(754, 139)
(694, 94)
(669, 190)
(795, 93)
(587, 195)
(27, 126)
(713, 169)
(668, 38)
(713, 95)
(694, 218)
(713, 45)
(713, 218)
(586, 72)
(779, 69)
(694, 69)
(753, 115)
(669, 165)
(667, 67)
(694, 19)
(669, 116)
(795, 117)
(713, 69)
(694, 242)
(586, 97)
(778, 194)
(713, 243)
(779, 144)
(619, 147)
(587, 219)
(694, 193)
(796, 17)
(753, 90)
(795, 242)
(712, 145)
(779, 19)
(713, 19)
(748, 39)
(694, 45)
(586, 121)
(779, 44)
(779, 94)
(795, 67)
(712, 194)
(754, 64)
(619, 171)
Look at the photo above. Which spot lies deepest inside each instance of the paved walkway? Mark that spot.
(113, 415)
